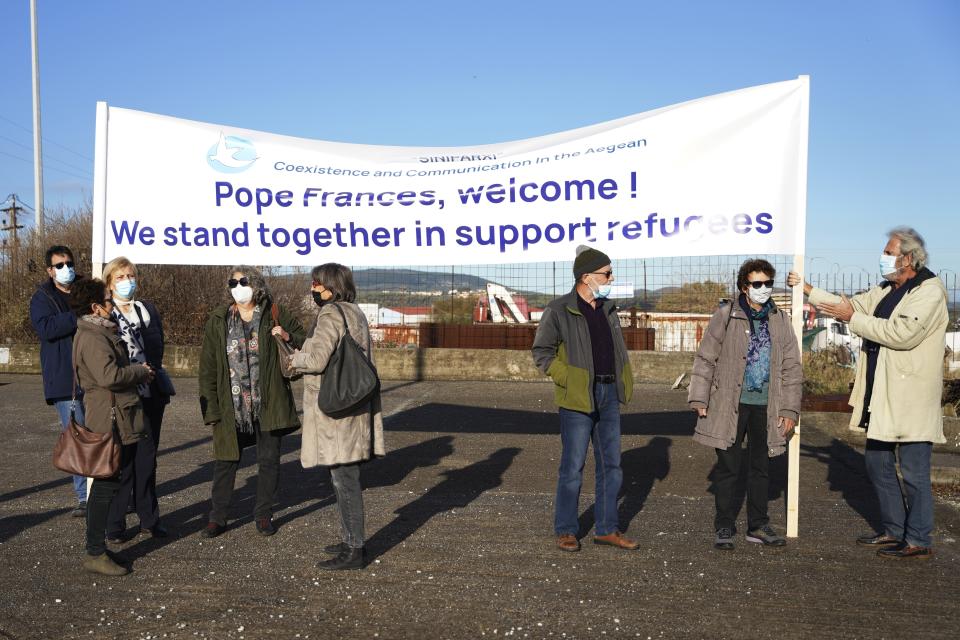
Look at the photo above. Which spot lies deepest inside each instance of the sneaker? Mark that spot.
(766, 536)
(212, 530)
(104, 565)
(724, 539)
(80, 511)
(265, 527)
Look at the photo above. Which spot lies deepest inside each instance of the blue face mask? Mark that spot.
(604, 291)
(65, 275)
(125, 288)
(888, 265)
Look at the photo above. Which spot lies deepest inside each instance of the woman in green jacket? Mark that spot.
(243, 394)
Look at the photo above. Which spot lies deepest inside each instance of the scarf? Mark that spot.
(757, 372)
(130, 332)
(243, 357)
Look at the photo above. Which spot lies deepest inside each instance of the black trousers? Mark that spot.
(138, 476)
(268, 476)
(101, 495)
(752, 423)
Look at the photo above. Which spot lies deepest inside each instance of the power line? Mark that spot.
(48, 157)
(46, 139)
(56, 169)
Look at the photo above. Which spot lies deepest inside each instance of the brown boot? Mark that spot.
(616, 539)
(104, 565)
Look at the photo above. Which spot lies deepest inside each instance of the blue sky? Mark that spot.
(885, 85)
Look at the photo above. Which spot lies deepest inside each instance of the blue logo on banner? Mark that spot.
(231, 154)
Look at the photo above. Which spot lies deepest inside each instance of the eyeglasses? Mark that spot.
(243, 282)
(605, 274)
(61, 265)
(757, 284)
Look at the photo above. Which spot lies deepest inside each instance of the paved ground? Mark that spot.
(459, 519)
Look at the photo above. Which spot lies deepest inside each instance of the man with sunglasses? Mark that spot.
(579, 344)
(55, 324)
(746, 385)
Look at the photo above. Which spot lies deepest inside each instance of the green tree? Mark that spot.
(454, 310)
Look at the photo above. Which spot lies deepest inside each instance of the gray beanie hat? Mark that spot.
(588, 260)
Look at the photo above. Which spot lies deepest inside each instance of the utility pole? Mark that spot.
(37, 152)
(11, 227)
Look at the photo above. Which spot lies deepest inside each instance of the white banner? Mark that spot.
(720, 175)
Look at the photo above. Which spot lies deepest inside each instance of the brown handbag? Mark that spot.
(82, 452)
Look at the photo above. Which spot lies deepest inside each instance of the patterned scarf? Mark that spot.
(243, 356)
(758, 353)
(130, 332)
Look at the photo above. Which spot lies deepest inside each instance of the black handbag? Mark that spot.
(350, 380)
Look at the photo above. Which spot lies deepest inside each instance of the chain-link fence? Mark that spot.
(664, 303)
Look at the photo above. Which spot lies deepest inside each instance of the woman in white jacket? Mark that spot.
(899, 382)
(340, 443)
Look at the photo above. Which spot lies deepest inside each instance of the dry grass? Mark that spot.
(823, 373)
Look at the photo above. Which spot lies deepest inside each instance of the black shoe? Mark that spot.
(766, 536)
(724, 539)
(878, 540)
(212, 530)
(123, 536)
(904, 551)
(157, 531)
(348, 559)
(336, 549)
(265, 527)
(80, 511)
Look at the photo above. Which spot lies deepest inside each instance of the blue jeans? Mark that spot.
(63, 408)
(911, 520)
(576, 431)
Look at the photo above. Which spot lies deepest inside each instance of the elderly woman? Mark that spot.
(141, 328)
(746, 384)
(897, 389)
(110, 383)
(344, 442)
(243, 394)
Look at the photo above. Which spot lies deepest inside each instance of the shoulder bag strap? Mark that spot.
(275, 314)
(726, 328)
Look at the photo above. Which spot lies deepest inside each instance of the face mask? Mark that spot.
(64, 275)
(125, 288)
(761, 295)
(600, 292)
(242, 295)
(317, 299)
(888, 265)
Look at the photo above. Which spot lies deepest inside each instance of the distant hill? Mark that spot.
(413, 280)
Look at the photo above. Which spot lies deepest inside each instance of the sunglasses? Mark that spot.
(61, 265)
(757, 284)
(605, 274)
(233, 282)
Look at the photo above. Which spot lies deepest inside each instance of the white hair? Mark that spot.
(911, 242)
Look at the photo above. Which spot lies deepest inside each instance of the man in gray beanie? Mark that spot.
(579, 344)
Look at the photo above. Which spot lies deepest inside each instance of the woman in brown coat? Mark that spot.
(338, 443)
(746, 383)
(110, 384)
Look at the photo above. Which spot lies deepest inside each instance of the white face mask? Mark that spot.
(64, 275)
(888, 265)
(242, 294)
(125, 288)
(759, 296)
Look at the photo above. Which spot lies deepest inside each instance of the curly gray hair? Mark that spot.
(261, 291)
(911, 242)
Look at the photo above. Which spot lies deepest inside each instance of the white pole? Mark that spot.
(99, 190)
(796, 303)
(37, 153)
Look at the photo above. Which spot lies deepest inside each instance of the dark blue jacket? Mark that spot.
(55, 323)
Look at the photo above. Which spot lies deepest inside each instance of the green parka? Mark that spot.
(277, 408)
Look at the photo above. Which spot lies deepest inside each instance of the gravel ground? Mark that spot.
(459, 519)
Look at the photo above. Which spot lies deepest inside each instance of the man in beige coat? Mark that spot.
(899, 382)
